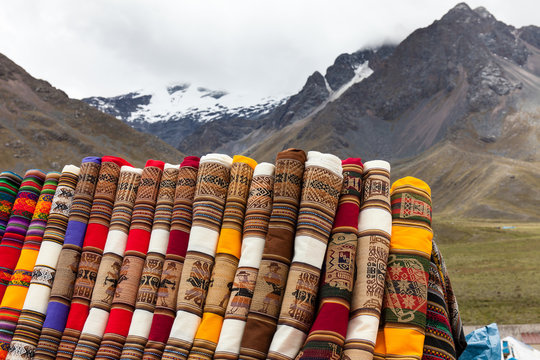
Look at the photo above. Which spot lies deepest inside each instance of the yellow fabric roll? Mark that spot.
(402, 333)
(227, 256)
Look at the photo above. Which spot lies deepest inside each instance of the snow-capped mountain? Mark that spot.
(182, 101)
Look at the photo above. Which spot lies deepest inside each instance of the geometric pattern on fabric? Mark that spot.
(374, 235)
(165, 310)
(92, 250)
(226, 260)
(125, 295)
(259, 207)
(17, 288)
(153, 266)
(208, 208)
(109, 268)
(404, 308)
(9, 186)
(17, 226)
(277, 255)
(327, 334)
(68, 261)
(321, 187)
(28, 330)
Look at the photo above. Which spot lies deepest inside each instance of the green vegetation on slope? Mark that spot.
(494, 271)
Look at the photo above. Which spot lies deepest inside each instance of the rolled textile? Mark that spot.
(226, 261)
(68, 261)
(277, 254)
(259, 207)
(17, 226)
(327, 335)
(444, 332)
(374, 230)
(92, 250)
(26, 335)
(109, 268)
(9, 186)
(138, 240)
(153, 265)
(323, 179)
(16, 291)
(402, 331)
(208, 207)
(174, 259)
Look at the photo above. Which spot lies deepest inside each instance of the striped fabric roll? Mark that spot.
(277, 255)
(68, 262)
(323, 179)
(138, 240)
(374, 229)
(402, 331)
(327, 335)
(227, 256)
(9, 186)
(17, 288)
(17, 226)
(444, 332)
(174, 259)
(92, 250)
(259, 207)
(26, 335)
(109, 268)
(208, 207)
(153, 266)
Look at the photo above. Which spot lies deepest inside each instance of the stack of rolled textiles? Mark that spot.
(310, 258)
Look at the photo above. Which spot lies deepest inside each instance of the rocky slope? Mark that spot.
(41, 127)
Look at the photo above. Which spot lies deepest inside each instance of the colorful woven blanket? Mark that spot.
(277, 255)
(17, 288)
(109, 268)
(259, 207)
(26, 335)
(327, 335)
(403, 324)
(9, 186)
(17, 226)
(208, 208)
(374, 230)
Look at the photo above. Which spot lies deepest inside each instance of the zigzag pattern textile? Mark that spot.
(208, 208)
(277, 255)
(374, 232)
(137, 244)
(323, 179)
(109, 268)
(444, 332)
(9, 186)
(327, 335)
(165, 310)
(402, 330)
(17, 226)
(13, 300)
(68, 262)
(28, 330)
(259, 207)
(153, 266)
(227, 257)
(92, 250)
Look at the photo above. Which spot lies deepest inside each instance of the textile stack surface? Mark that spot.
(174, 259)
(17, 288)
(309, 258)
(28, 330)
(327, 335)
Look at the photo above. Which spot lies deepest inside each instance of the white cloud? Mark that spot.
(263, 47)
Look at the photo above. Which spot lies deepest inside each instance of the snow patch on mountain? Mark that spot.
(184, 100)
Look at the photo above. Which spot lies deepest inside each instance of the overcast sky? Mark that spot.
(265, 48)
